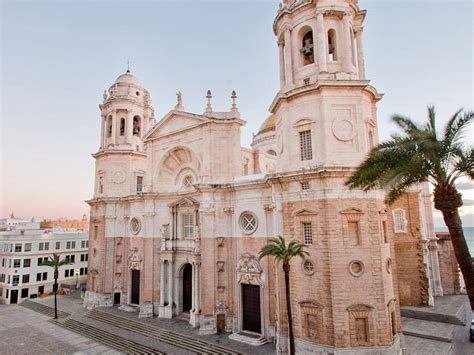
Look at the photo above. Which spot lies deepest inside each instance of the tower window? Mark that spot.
(354, 234)
(305, 145)
(122, 126)
(109, 127)
(101, 184)
(332, 46)
(307, 49)
(371, 139)
(305, 185)
(136, 126)
(399, 221)
(188, 182)
(139, 183)
(306, 81)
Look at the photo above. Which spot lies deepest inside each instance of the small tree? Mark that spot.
(421, 154)
(284, 253)
(55, 262)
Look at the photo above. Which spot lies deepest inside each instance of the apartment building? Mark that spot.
(23, 251)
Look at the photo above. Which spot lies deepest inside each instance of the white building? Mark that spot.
(22, 252)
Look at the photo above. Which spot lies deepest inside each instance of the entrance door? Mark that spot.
(13, 296)
(187, 287)
(41, 290)
(251, 308)
(220, 323)
(135, 299)
(116, 298)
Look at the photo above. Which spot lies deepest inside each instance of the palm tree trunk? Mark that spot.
(463, 256)
(286, 269)
(55, 288)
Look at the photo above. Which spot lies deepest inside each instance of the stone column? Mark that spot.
(162, 283)
(193, 288)
(288, 58)
(322, 43)
(114, 127)
(170, 285)
(434, 263)
(281, 51)
(347, 63)
(360, 54)
(129, 127)
(102, 131)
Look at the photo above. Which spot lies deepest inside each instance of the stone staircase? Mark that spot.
(249, 338)
(111, 340)
(165, 336)
(41, 308)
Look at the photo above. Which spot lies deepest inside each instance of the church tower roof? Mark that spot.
(127, 78)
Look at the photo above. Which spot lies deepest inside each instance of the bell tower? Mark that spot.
(325, 109)
(126, 115)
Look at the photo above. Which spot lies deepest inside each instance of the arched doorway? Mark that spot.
(187, 287)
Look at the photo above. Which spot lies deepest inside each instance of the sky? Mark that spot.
(57, 57)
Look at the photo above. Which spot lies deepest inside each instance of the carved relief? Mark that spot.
(220, 266)
(118, 177)
(249, 270)
(343, 129)
(135, 259)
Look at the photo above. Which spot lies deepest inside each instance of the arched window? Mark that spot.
(137, 126)
(399, 220)
(109, 127)
(122, 126)
(307, 49)
(332, 45)
(188, 181)
(271, 152)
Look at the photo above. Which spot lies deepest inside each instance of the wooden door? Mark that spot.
(135, 299)
(14, 296)
(251, 308)
(220, 323)
(187, 287)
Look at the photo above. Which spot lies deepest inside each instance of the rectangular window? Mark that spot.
(16, 263)
(2, 277)
(38, 276)
(27, 246)
(15, 280)
(66, 273)
(84, 257)
(188, 225)
(1, 292)
(306, 149)
(45, 276)
(68, 245)
(25, 279)
(40, 246)
(81, 271)
(308, 233)
(83, 244)
(305, 185)
(399, 221)
(85, 270)
(46, 246)
(4, 262)
(58, 245)
(139, 183)
(9, 263)
(26, 262)
(101, 184)
(384, 232)
(17, 248)
(24, 292)
(40, 261)
(73, 244)
(96, 232)
(353, 230)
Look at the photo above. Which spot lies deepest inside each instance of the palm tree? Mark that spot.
(277, 247)
(55, 263)
(421, 154)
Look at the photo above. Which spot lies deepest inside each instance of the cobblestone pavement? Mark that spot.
(23, 331)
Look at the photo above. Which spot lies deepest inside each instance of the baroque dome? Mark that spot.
(127, 78)
(268, 124)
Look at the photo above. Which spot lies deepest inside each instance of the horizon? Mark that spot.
(54, 70)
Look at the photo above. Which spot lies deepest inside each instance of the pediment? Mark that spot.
(305, 212)
(352, 211)
(185, 202)
(174, 122)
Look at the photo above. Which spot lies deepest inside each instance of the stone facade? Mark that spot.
(181, 210)
(449, 268)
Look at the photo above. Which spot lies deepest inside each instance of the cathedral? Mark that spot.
(180, 210)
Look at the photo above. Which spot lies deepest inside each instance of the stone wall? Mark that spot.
(449, 269)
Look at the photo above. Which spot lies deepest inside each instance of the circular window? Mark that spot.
(135, 225)
(248, 222)
(137, 93)
(308, 267)
(388, 265)
(356, 268)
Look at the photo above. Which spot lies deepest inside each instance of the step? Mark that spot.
(175, 339)
(428, 329)
(41, 308)
(106, 338)
(249, 338)
(422, 346)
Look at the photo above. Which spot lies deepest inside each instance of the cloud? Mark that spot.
(468, 202)
(467, 221)
(465, 185)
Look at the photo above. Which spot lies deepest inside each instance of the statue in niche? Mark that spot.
(308, 48)
(164, 235)
(197, 240)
